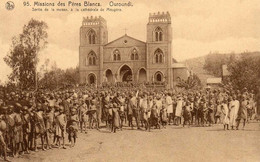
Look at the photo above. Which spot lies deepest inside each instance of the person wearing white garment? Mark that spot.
(169, 107)
(233, 108)
(225, 111)
(177, 119)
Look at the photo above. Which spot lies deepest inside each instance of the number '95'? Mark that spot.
(26, 3)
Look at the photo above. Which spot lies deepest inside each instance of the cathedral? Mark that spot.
(128, 59)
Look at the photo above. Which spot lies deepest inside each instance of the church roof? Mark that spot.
(124, 37)
(178, 65)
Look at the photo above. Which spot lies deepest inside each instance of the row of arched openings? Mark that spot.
(117, 55)
(158, 76)
(158, 32)
(158, 56)
(91, 36)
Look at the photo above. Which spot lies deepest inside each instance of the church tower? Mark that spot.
(158, 52)
(93, 36)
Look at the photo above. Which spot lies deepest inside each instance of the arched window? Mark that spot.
(94, 61)
(91, 36)
(92, 58)
(90, 61)
(158, 54)
(156, 58)
(91, 79)
(158, 76)
(160, 58)
(134, 55)
(116, 55)
(158, 34)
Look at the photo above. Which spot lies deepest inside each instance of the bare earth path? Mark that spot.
(171, 144)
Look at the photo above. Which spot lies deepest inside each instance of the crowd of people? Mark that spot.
(53, 117)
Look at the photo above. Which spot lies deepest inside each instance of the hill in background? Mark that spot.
(197, 64)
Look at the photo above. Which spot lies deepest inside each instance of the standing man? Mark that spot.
(178, 111)
(169, 107)
(233, 108)
(242, 114)
(133, 104)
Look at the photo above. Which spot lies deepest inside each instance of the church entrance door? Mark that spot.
(109, 76)
(91, 79)
(142, 75)
(126, 74)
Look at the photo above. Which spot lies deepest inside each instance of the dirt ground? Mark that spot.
(174, 143)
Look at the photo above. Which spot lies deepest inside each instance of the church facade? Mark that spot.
(127, 59)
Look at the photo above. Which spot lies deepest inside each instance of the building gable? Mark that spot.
(125, 41)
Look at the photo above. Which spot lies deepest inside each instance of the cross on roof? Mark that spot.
(125, 30)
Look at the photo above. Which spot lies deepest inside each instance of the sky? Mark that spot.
(199, 27)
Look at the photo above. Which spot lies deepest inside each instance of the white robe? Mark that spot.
(234, 107)
(179, 108)
(169, 104)
(225, 111)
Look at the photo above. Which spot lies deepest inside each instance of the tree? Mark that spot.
(245, 72)
(24, 53)
(57, 78)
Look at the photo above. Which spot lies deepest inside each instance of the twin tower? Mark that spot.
(126, 59)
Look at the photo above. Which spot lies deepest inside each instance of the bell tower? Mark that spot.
(159, 41)
(93, 36)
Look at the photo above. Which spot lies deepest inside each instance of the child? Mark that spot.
(187, 113)
(218, 112)
(83, 117)
(164, 116)
(73, 127)
(115, 117)
(49, 118)
(60, 126)
(225, 110)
